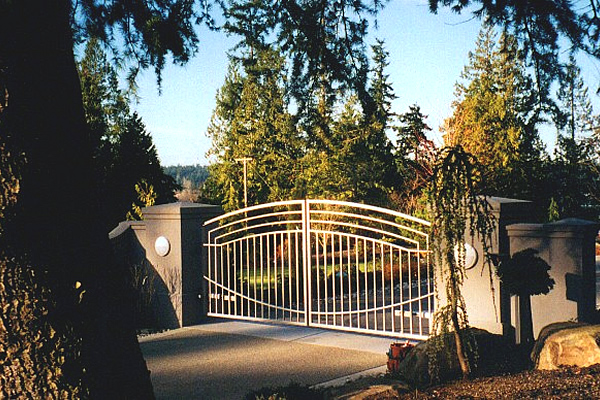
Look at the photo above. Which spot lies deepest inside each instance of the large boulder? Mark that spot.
(577, 345)
(548, 331)
(495, 355)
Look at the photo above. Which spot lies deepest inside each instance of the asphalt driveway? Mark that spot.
(226, 360)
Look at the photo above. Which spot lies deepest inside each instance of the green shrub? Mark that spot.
(293, 391)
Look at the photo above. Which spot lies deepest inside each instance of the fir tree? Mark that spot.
(251, 121)
(571, 174)
(415, 155)
(541, 29)
(123, 149)
(494, 116)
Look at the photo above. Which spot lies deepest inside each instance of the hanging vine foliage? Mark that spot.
(458, 207)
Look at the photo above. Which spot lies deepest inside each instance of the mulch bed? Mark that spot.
(564, 383)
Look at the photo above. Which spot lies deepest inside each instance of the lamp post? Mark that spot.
(245, 160)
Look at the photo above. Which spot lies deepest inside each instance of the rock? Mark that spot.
(576, 346)
(494, 356)
(415, 366)
(546, 332)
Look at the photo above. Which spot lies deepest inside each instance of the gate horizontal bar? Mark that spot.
(261, 303)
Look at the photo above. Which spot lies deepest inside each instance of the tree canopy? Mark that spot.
(542, 28)
(334, 150)
(251, 121)
(495, 115)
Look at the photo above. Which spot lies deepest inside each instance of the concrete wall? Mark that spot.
(568, 247)
(175, 260)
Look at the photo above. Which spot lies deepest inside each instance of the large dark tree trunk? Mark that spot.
(55, 221)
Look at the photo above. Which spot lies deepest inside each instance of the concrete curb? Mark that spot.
(377, 371)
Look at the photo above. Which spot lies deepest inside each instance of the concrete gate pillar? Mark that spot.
(486, 312)
(170, 240)
(487, 303)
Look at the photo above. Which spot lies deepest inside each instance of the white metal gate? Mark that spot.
(322, 263)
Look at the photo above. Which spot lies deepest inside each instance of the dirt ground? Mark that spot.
(565, 383)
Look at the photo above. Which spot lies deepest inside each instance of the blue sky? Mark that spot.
(427, 54)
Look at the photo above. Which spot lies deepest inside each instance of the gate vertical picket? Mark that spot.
(307, 262)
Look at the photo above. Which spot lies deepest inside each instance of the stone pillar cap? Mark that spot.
(183, 209)
(123, 226)
(505, 204)
(570, 225)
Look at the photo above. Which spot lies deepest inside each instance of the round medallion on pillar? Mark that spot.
(162, 246)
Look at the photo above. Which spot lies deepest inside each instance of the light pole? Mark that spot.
(245, 160)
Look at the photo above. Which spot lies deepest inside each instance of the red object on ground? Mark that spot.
(393, 365)
(397, 353)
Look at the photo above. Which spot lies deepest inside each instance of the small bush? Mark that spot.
(142, 280)
(293, 391)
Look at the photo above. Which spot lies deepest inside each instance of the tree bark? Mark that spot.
(55, 221)
(461, 354)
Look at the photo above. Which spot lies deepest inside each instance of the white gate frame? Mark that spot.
(322, 263)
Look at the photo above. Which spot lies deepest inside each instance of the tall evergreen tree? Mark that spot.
(337, 154)
(106, 110)
(355, 162)
(377, 144)
(344, 155)
(541, 28)
(571, 174)
(415, 156)
(323, 41)
(136, 160)
(575, 115)
(49, 141)
(123, 151)
(495, 117)
(251, 121)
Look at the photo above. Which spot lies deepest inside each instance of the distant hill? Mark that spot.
(194, 174)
